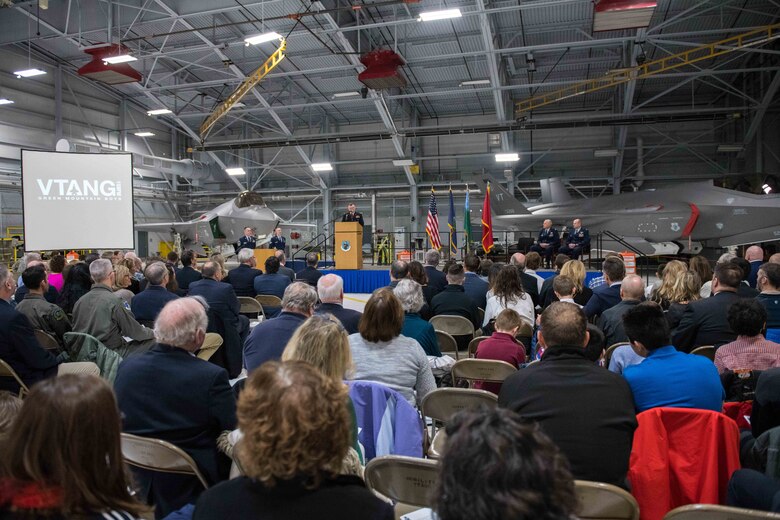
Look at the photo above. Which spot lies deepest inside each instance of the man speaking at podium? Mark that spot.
(352, 215)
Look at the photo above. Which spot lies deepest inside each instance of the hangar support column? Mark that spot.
(414, 208)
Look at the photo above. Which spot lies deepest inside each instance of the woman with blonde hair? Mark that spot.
(575, 270)
(122, 281)
(686, 292)
(672, 285)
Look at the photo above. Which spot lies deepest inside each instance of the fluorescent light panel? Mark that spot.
(475, 82)
(403, 162)
(29, 73)
(430, 16)
(507, 157)
(144, 134)
(5, 101)
(767, 188)
(122, 58)
(321, 167)
(346, 94)
(605, 153)
(235, 171)
(730, 148)
(158, 112)
(262, 38)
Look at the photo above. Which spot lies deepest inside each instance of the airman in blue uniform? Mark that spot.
(577, 240)
(247, 241)
(277, 241)
(547, 241)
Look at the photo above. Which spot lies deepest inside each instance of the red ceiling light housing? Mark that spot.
(115, 74)
(611, 15)
(382, 70)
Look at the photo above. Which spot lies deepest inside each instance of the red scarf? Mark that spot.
(29, 495)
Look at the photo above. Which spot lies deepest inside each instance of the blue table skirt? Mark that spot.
(589, 275)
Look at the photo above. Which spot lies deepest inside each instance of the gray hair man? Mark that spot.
(268, 339)
(399, 270)
(242, 278)
(310, 274)
(529, 282)
(282, 268)
(437, 280)
(611, 322)
(330, 289)
(147, 304)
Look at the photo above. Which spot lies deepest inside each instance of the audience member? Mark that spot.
(310, 274)
(502, 345)
(671, 284)
(495, 466)
(56, 265)
(529, 282)
(381, 354)
(78, 282)
(474, 286)
(564, 290)
(43, 315)
(774, 259)
(755, 256)
(484, 268)
(436, 279)
(701, 266)
(146, 305)
(268, 339)
(135, 267)
(330, 290)
(168, 393)
(750, 351)
(91, 257)
(706, 288)
(598, 281)
(295, 425)
(659, 276)
(546, 296)
(103, 315)
(750, 489)
(597, 345)
(566, 388)
(399, 269)
(62, 457)
(453, 300)
(667, 377)
(743, 289)
(533, 261)
(188, 274)
(272, 283)
(575, 270)
(608, 295)
(220, 260)
(172, 258)
(766, 403)
(242, 278)
(10, 405)
(686, 291)
(51, 294)
(409, 293)
(611, 322)
(705, 322)
(507, 293)
(768, 282)
(286, 271)
(418, 274)
(222, 299)
(122, 283)
(173, 285)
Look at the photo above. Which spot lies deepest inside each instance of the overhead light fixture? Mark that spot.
(475, 82)
(605, 153)
(144, 134)
(5, 101)
(507, 157)
(430, 16)
(346, 94)
(730, 148)
(29, 73)
(122, 58)
(262, 38)
(767, 188)
(158, 112)
(235, 171)
(403, 162)
(321, 167)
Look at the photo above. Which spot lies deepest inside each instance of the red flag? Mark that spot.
(487, 223)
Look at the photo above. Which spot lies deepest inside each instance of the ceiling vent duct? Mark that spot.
(611, 15)
(382, 70)
(113, 74)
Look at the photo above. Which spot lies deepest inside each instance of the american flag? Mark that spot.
(432, 226)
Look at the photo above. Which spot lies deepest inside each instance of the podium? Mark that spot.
(349, 245)
(261, 255)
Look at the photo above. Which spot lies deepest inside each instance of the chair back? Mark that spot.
(453, 325)
(7, 371)
(707, 351)
(159, 455)
(268, 300)
(443, 403)
(407, 480)
(481, 314)
(600, 501)
(474, 343)
(490, 370)
(713, 512)
(47, 341)
(611, 350)
(250, 307)
(447, 344)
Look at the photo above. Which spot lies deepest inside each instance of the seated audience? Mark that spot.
(755, 257)
(108, 318)
(744, 290)
(168, 393)
(608, 295)
(687, 290)
(399, 270)
(564, 290)
(453, 300)
(220, 260)
(135, 266)
(10, 405)
(330, 289)
(286, 271)
(507, 293)
(187, 274)
(484, 268)
(271, 283)
(502, 345)
(55, 278)
(436, 279)
(768, 282)
(766, 403)
(43, 315)
(268, 339)
(221, 298)
(701, 266)
(565, 388)
(575, 270)
(546, 296)
(381, 354)
(750, 351)
(242, 278)
(750, 489)
(51, 295)
(418, 274)
(611, 321)
(533, 261)
(706, 288)
(598, 281)
(495, 466)
(667, 377)
(705, 321)
(409, 293)
(147, 304)
(529, 282)
(172, 259)
(78, 282)
(296, 432)
(310, 274)
(122, 281)
(671, 279)
(774, 259)
(62, 457)
(474, 286)
(597, 345)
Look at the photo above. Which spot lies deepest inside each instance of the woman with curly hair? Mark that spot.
(575, 270)
(507, 293)
(687, 291)
(296, 433)
(495, 467)
(672, 285)
(122, 282)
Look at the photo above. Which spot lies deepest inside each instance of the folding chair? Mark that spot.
(453, 325)
(47, 341)
(481, 314)
(474, 343)
(600, 501)
(267, 301)
(407, 481)
(159, 455)
(707, 351)
(611, 350)
(250, 307)
(713, 512)
(490, 370)
(447, 344)
(441, 404)
(7, 371)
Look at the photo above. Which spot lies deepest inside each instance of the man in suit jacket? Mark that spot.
(475, 286)
(528, 281)
(187, 274)
(310, 274)
(147, 304)
(168, 393)
(437, 280)
(330, 289)
(611, 322)
(453, 300)
(282, 268)
(755, 256)
(705, 321)
(608, 295)
(242, 278)
(221, 298)
(272, 283)
(745, 290)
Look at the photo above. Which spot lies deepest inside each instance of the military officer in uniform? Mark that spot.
(578, 239)
(547, 241)
(247, 241)
(277, 241)
(352, 215)
(43, 315)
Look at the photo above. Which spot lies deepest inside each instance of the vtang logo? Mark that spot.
(71, 189)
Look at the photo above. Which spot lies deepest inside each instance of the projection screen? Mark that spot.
(77, 201)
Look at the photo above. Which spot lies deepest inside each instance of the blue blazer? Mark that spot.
(242, 278)
(477, 289)
(350, 319)
(267, 340)
(20, 349)
(274, 284)
(221, 299)
(147, 304)
(186, 276)
(436, 279)
(604, 297)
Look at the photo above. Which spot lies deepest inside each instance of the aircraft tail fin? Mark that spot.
(554, 190)
(502, 202)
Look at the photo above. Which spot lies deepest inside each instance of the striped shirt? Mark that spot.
(748, 353)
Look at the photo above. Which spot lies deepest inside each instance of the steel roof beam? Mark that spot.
(758, 116)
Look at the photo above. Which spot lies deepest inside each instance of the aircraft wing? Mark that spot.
(183, 228)
(757, 236)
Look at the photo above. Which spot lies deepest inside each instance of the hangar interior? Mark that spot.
(708, 119)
